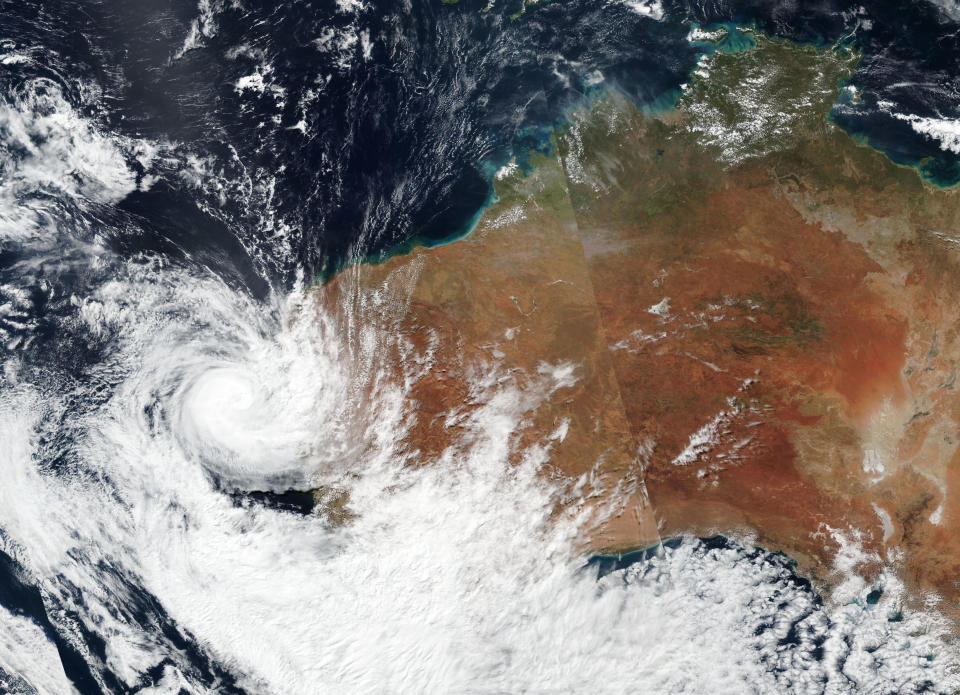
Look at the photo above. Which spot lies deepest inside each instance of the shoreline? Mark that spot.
(738, 37)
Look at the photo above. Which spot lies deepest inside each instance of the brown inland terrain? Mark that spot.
(512, 304)
(737, 320)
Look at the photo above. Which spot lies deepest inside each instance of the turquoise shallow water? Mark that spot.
(736, 38)
(940, 168)
(655, 91)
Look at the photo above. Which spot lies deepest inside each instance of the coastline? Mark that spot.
(737, 37)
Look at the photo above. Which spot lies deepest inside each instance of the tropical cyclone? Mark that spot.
(735, 319)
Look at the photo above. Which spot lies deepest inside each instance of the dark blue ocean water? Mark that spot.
(376, 126)
(398, 145)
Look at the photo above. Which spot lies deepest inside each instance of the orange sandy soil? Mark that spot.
(507, 304)
(799, 381)
(809, 318)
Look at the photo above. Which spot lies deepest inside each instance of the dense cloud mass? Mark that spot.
(172, 180)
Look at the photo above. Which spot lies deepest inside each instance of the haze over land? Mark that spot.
(354, 346)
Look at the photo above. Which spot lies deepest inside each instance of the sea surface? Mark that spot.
(173, 178)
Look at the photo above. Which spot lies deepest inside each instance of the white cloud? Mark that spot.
(646, 8)
(945, 131)
(950, 8)
(455, 576)
(50, 149)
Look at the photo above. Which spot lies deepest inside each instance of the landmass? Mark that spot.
(738, 319)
